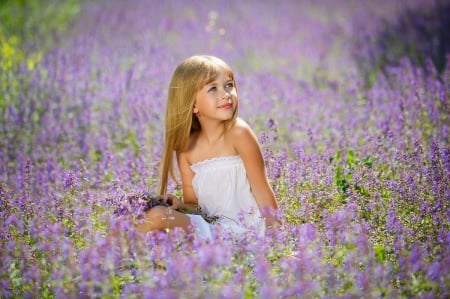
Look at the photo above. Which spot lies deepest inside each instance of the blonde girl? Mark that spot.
(218, 156)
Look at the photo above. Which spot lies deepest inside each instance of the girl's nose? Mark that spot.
(226, 95)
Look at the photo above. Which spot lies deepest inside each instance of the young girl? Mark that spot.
(218, 156)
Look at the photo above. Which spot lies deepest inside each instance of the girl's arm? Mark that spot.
(189, 198)
(248, 148)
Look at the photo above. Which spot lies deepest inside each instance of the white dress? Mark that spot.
(222, 189)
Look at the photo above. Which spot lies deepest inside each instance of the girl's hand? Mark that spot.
(172, 201)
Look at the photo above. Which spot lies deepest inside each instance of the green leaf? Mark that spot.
(380, 252)
(367, 161)
(352, 160)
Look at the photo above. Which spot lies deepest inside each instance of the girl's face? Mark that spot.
(217, 100)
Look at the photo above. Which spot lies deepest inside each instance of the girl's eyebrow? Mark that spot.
(212, 84)
(216, 82)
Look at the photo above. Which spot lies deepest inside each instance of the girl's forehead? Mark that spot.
(221, 74)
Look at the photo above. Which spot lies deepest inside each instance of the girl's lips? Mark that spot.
(226, 106)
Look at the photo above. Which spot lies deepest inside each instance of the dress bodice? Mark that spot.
(222, 189)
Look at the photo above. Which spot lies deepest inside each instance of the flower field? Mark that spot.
(351, 107)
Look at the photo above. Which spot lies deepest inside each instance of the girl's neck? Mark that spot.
(212, 133)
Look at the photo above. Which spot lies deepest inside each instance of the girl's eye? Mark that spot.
(212, 89)
(229, 85)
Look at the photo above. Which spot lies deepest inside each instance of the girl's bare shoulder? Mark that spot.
(239, 128)
(240, 131)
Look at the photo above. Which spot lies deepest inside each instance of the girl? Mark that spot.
(218, 156)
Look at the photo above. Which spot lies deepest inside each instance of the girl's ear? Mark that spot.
(195, 109)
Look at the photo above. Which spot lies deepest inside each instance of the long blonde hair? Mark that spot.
(189, 78)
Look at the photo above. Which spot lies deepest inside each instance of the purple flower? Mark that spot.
(69, 180)
(416, 259)
(307, 233)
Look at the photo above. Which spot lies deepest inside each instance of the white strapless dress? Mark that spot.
(223, 190)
